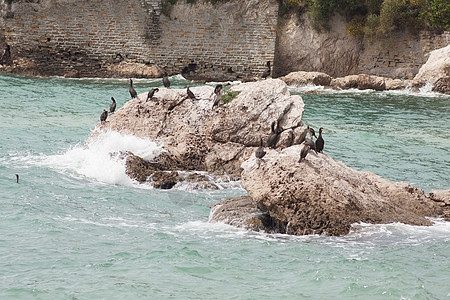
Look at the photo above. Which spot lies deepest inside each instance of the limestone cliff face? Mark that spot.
(301, 48)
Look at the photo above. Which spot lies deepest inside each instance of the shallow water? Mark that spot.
(76, 227)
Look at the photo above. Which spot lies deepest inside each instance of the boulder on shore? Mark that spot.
(436, 71)
(322, 196)
(361, 82)
(197, 136)
(302, 78)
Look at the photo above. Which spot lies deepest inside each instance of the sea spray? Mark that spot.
(97, 160)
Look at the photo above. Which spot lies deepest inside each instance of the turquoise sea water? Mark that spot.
(76, 227)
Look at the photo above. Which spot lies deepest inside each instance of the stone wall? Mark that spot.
(81, 37)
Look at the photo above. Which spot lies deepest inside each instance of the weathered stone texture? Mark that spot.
(82, 37)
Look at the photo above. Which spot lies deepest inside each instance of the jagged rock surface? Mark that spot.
(302, 78)
(199, 137)
(323, 196)
(361, 82)
(436, 71)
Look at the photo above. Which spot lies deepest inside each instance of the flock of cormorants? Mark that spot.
(309, 144)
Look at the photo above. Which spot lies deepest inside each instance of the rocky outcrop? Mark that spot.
(302, 78)
(323, 196)
(196, 136)
(436, 71)
(442, 198)
(361, 82)
(241, 212)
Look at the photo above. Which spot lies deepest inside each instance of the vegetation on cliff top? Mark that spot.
(376, 18)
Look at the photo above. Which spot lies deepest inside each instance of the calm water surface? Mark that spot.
(76, 227)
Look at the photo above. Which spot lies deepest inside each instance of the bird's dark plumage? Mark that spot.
(309, 142)
(304, 152)
(151, 93)
(132, 90)
(112, 108)
(320, 142)
(103, 116)
(17, 178)
(190, 93)
(311, 131)
(273, 137)
(165, 80)
(260, 151)
(267, 71)
(217, 94)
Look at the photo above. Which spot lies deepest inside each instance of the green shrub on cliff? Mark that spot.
(375, 18)
(228, 97)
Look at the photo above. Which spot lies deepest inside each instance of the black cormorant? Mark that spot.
(166, 81)
(304, 152)
(103, 116)
(309, 142)
(260, 151)
(267, 71)
(217, 94)
(17, 178)
(320, 142)
(151, 93)
(311, 131)
(273, 137)
(190, 93)
(132, 91)
(112, 108)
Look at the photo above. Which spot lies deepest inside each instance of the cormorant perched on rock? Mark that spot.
(320, 142)
(166, 81)
(103, 116)
(112, 108)
(132, 91)
(304, 152)
(311, 131)
(151, 93)
(217, 94)
(273, 137)
(267, 71)
(17, 178)
(190, 93)
(309, 142)
(260, 151)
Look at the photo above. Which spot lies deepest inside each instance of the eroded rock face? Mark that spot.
(241, 212)
(361, 82)
(323, 196)
(302, 78)
(197, 136)
(436, 71)
(442, 198)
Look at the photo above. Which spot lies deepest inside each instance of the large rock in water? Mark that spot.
(436, 71)
(197, 136)
(323, 196)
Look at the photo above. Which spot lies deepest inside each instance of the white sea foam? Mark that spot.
(97, 160)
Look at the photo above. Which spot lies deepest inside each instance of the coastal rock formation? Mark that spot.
(241, 212)
(442, 198)
(361, 82)
(436, 71)
(301, 47)
(196, 136)
(302, 78)
(323, 196)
